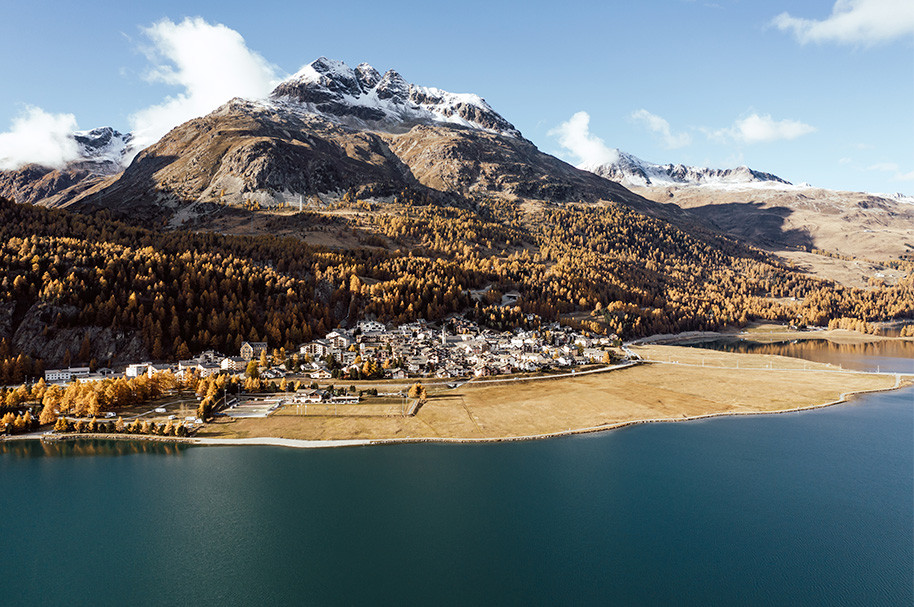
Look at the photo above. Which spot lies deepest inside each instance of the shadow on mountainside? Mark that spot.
(754, 223)
(134, 196)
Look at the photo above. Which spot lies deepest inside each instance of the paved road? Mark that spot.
(624, 365)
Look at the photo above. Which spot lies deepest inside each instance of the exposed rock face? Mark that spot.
(50, 187)
(265, 152)
(6, 319)
(105, 147)
(473, 162)
(856, 224)
(363, 98)
(34, 337)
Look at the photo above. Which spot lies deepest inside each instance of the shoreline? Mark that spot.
(691, 384)
(767, 333)
(273, 441)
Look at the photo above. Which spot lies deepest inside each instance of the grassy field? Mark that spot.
(180, 404)
(369, 407)
(703, 383)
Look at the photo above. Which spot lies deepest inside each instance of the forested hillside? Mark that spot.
(81, 287)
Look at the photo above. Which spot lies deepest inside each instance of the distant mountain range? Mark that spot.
(330, 130)
(103, 153)
(631, 171)
(326, 130)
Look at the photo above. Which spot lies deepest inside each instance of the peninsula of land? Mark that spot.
(658, 382)
(674, 384)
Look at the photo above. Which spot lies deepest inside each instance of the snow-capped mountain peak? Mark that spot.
(631, 171)
(335, 76)
(367, 75)
(103, 145)
(363, 98)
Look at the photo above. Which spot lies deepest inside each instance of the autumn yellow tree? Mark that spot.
(418, 391)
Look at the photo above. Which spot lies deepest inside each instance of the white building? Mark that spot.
(189, 364)
(397, 373)
(66, 374)
(156, 368)
(315, 349)
(339, 339)
(371, 326)
(345, 399)
(308, 396)
(207, 369)
(252, 349)
(57, 375)
(136, 369)
(233, 363)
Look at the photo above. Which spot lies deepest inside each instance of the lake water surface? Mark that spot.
(810, 508)
(886, 356)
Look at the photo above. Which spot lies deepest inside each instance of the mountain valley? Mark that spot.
(348, 194)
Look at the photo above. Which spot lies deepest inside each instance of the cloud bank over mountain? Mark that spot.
(37, 136)
(209, 63)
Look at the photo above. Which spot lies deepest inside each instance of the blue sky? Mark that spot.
(809, 90)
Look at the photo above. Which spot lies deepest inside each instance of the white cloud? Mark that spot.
(854, 22)
(211, 63)
(891, 167)
(659, 125)
(575, 136)
(885, 167)
(758, 129)
(39, 137)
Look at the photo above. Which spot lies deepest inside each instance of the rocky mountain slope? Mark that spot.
(853, 233)
(331, 130)
(102, 153)
(365, 99)
(792, 220)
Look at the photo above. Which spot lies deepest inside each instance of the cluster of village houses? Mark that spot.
(462, 349)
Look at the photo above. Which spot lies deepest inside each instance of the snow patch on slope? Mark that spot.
(898, 197)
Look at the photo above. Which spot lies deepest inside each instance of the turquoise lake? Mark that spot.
(809, 508)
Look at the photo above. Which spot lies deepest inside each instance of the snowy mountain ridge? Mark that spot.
(631, 171)
(359, 97)
(363, 98)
